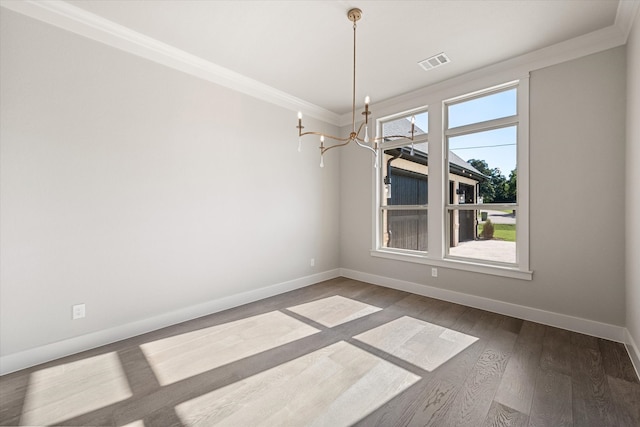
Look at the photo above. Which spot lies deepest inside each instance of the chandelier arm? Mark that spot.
(382, 138)
(335, 138)
(325, 149)
(357, 138)
(366, 146)
(363, 124)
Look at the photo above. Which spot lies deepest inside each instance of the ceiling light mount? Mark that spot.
(354, 16)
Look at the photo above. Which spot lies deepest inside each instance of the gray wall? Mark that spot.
(633, 183)
(139, 190)
(577, 148)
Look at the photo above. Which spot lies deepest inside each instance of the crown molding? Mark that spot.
(625, 16)
(74, 19)
(587, 44)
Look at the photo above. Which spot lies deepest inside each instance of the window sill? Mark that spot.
(455, 264)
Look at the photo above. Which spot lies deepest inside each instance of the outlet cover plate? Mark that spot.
(78, 311)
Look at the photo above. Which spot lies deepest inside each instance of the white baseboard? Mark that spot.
(575, 324)
(632, 349)
(35, 356)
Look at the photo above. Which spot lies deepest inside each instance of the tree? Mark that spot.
(499, 183)
(486, 190)
(512, 186)
(496, 189)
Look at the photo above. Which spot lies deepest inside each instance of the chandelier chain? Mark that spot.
(353, 103)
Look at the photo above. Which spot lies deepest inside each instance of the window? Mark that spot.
(482, 138)
(477, 217)
(403, 199)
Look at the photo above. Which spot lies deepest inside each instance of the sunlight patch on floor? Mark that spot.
(186, 355)
(336, 385)
(488, 250)
(418, 342)
(335, 310)
(66, 391)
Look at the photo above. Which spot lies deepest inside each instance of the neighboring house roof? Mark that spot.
(402, 127)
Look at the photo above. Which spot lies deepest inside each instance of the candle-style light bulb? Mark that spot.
(299, 131)
(412, 149)
(366, 118)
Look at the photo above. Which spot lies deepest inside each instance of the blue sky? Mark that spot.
(496, 147)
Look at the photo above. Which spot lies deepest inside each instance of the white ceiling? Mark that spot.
(304, 48)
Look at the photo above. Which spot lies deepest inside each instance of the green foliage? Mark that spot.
(487, 230)
(486, 190)
(512, 185)
(500, 185)
(495, 189)
(506, 232)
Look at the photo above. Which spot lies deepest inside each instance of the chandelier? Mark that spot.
(354, 15)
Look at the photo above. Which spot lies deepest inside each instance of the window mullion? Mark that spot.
(436, 197)
(482, 126)
(404, 207)
(522, 226)
(490, 206)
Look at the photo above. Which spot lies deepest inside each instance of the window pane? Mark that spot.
(402, 127)
(487, 159)
(404, 175)
(404, 229)
(494, 106)
(486, 234)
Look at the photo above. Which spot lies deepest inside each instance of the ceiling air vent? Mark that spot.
(434, 61)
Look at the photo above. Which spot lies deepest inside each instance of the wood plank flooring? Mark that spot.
(337, 353)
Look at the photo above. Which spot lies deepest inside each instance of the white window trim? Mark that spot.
(437, 254)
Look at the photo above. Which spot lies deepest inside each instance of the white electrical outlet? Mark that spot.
(313, 262)
(78, 311)
(434, 272)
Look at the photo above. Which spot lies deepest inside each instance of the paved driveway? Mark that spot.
(499, 217)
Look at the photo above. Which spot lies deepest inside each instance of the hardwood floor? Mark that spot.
(337, 353)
